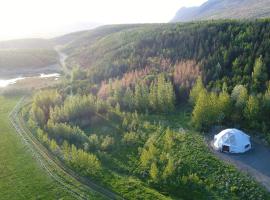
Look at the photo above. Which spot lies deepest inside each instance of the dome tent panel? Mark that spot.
(232, 140)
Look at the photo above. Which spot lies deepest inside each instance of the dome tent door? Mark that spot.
(225, 148)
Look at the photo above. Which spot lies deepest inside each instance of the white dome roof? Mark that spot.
(237, 140)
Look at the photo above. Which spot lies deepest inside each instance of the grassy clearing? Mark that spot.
(179, 118)
(21, 177)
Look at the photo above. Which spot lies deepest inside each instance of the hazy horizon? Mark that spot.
(37, 18)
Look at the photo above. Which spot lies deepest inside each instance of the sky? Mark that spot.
(47, 18)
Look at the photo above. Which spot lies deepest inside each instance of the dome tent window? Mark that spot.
(232, 141)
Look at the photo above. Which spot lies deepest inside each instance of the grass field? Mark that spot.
(21, 177)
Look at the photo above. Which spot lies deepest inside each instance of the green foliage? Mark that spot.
(195, 91)
(130, 138)
(77, 74)
(94, 142)
(169, 169)
(252, 111)
(158, 96)
(42, 103)
(38, 115)
(141, 97)
(154, 171)
(239, 98)
(211, 109)
(107, 143)
(85, 163)
(202, 114)
(162, 96)
(239, 108)
(63, 131)
(75, 109)
(259, 76)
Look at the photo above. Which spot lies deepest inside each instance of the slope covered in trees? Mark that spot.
(224, 9)
(27, 56)
(225, 51)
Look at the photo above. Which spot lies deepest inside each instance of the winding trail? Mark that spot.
(80, 187)
(62, 59)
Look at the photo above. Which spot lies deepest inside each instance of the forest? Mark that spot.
(133, 113)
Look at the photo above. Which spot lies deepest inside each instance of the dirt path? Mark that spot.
(62, 60)
(256, 162)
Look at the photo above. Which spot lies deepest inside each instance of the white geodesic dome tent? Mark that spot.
(232, 141)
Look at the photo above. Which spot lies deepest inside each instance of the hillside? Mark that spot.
(225, 9)
(26, 57)
(34, 43)
(223, 50)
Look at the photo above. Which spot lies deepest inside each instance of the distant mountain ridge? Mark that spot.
(225, 9)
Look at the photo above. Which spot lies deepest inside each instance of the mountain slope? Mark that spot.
(225, 9)
(27, 57)
(225, 49)
(31, 43)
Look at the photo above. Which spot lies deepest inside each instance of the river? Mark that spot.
(6, 82)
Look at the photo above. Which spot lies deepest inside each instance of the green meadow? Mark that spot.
(21, 177)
